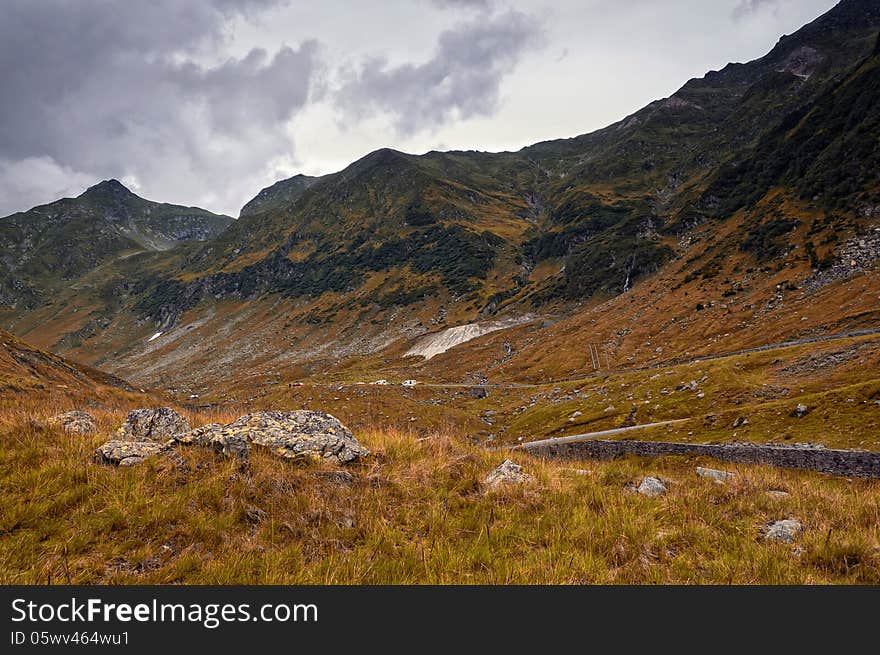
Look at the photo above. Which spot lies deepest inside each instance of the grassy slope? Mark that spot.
(34, 378)
(414, 514)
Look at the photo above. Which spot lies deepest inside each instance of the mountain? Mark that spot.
(589, 200)
(65, 239)
(734, 212)
(279, 195)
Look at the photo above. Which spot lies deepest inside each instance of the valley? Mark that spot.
(703, 272)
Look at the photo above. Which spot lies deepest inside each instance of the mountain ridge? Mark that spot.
(355, 265)
(67, 238)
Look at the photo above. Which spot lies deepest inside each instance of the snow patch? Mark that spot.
(154, 337)
(439, 342)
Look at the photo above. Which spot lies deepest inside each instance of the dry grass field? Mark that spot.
(413, 512)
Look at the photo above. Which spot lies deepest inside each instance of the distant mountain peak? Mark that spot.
(279, 195)
(108, 188)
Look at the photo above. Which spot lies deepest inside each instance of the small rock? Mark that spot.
(479, 392)
(158, 424)
(75, 422)
(718, 476)
(128, 453)
(800, 411)
(336, 477)
(255, 514)
(507, 473)
(777, 494)
(786, 530)
(652, 487)
(740, 421)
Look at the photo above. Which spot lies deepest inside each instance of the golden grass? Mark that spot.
(415, 513)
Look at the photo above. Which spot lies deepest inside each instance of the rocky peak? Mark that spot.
(111, 189)
(279, 195)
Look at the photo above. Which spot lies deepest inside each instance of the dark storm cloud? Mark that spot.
(101, 88)
(462, 79)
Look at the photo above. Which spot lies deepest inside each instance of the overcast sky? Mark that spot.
(204, 102)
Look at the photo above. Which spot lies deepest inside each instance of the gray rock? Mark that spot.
(740, 422)
(479, 392)
(298, 434)
(200, 436)
(128, 453)
(231, 445)
(507, 473)
(800, 411)
(718, 476)
(652, 487)
(158, 424)
(777, 494)
(75, 422)
(786, 530)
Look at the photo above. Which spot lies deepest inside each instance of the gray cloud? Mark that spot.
(462, 4)
(461, 80)
(101, 88)
(747, 7)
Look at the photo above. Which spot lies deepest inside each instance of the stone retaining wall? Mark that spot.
(856, 463)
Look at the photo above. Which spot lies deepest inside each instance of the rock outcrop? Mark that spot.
(714, 474)
(652, 487)
(300, 434)
(158, 424)
(786, 530)
(127, 453)
(200, 436)
(75, 422)
(508, 473)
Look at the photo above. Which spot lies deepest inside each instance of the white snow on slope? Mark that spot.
(154, 337)
(439, 342)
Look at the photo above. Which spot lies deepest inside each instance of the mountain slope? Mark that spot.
(25, 368)
(279, 195)
(609, 204)
(67, 238)
(700, 210)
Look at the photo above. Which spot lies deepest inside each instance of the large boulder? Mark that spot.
(75, 422)
(127, 453)
(158, 424)
(300, 434)
(200, 436)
